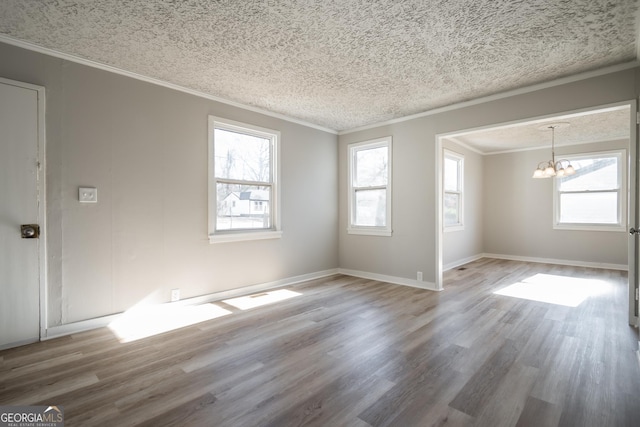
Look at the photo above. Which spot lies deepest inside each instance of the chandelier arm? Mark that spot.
(543, 164)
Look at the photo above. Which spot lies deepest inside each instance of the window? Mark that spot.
(243, 185)
(370, 187)
(594, 198)
(453, 186)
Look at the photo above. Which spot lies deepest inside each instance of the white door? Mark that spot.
(19, 181)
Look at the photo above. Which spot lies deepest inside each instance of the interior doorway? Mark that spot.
(507, 154)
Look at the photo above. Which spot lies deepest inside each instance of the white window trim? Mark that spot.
(385, 231)
(222, 236)
(460, 159)
(621, 226)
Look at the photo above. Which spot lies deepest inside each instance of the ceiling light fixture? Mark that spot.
(552, 167)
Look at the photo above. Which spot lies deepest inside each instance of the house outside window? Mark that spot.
(369, 203)
(453, 201)
(243, 181)
(594, 198)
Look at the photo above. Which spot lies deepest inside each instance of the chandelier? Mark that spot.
(554, 167)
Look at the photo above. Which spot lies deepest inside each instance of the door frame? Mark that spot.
(42, 193)
(633, 213)
(633, 186)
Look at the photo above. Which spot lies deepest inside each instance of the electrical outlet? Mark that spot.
(419, 276)
(87, 195)
(175, 295)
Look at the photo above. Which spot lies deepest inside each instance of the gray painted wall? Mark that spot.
(518, 212)
(412, 246)
(145, 148)
(463, 244)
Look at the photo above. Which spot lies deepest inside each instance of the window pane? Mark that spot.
(451, 175)
(243, 207)
(371, 208)
(242, 157)
(451, 209)
(371, 167)
(589, 208)
(592, 174)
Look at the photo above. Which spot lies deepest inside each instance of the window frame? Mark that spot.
(459, 159)
(222, 236)
(621, 225)
(352, 150)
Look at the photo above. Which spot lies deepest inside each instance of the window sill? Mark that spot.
(589, 227)
(370, 231)
(244, 236)
(450, 228)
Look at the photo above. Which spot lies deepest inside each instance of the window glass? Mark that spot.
(241, 156)
(450, 174)
(371, 167)
(595, 208)
(242, 207)
(592, 174)
(451, 209)
(594, 196)
(371, 208)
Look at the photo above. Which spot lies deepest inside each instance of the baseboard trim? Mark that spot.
(390, 279)
(18, 343)
(100, 322)
(573, 263)
(463, 261)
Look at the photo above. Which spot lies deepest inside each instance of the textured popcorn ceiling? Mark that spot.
(339, 64)
(594, 126)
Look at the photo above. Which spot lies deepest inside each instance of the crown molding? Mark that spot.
(502, 95)
(94, 64)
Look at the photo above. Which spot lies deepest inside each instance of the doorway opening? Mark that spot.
(509, 215)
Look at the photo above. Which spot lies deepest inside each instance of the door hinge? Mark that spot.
(638, 118)
(637, 294)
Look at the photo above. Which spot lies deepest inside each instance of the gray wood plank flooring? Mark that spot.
(357, 352)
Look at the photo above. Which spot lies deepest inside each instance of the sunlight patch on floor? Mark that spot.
(148, 320)
(263, 298)
(552, 289)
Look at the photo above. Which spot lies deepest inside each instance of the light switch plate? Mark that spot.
(87, 195)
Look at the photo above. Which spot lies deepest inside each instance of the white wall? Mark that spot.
(145, 148)
(518, 212)
(461, 245)
(412, 246)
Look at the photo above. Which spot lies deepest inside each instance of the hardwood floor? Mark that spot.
(356, 352)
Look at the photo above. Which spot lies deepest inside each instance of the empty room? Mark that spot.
(355, 213)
